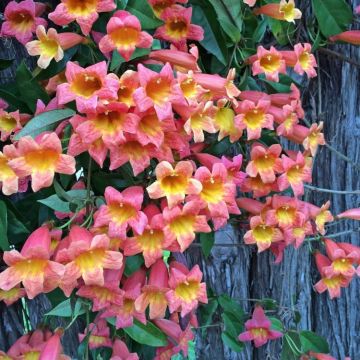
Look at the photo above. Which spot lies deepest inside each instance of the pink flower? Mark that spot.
(122, 209)
(32, 266)
(86, 256)
(187, 290)
(124, 34)
(121, 352)
(258, 329)
(178, 28)
(158, 90)
(9, 181)
(10, 122)
(40, 158)
(99, 334)
(269, 62)
(254, 117)
(84, 13)
(87, 85)
(21, 19)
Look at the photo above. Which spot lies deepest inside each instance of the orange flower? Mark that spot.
(9, 182)
(315, 138)
(285, 10)
(32, 266)
(41, 158)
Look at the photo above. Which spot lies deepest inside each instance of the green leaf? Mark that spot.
(147, 334)
(117, 59)
(17, 230)
(310, 341)
(207, 241)
(29, 89)
(260, 31)
(5, 63)
(333, 15)
(13, 100)
(226, 20)
(232, 342)
(44, 121)
(291, 349)
(57, 204)
(233, 325)
(4, 242)
(132, 264)
(143, 11)
(213, 40)
(276, 324)
(231, 306)
(62, 310)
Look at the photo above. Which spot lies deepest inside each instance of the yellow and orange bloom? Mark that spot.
(10, 123)
(263, 233)
(218, 192)
(265, 162)
(160, 5)
(258, 329)
(152, 241)
(41, 158)
(51, 45)
(224, 121)
(296, 172)
(186, 288)
(332, 284)
(9, 181)
(174, 183)
(86, 256)
(21, 19)
(126, 313)
(182, 223)
(84, 13)
(178, 28)
(124, 34)
(314, 138)
(192, 91)
(341, 262)
(32, 266)
(87, 85)
(105, 295)
(296, 233)
(99, 334)
(11, 296)
(128, 83)
(301, 59)
(153, 293)
(268, 62)
(285, 10)
(254, 117)
(350, 37)
(321, 216)
(159, 91)
(122, 210)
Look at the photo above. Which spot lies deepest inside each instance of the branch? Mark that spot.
(330, 191)
(339, 56)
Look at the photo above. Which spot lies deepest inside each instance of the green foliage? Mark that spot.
(207, 241)
(4, 242)
(310, 341)
(143, 11)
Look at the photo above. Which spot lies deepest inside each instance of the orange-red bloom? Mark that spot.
(40, 158)
(285, 10)
(32, 266)
(351, 37)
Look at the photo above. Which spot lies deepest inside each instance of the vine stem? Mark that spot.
(330, 191)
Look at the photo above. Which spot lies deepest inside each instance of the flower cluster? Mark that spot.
(154, 121)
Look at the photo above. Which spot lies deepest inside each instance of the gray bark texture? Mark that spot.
(239, 271)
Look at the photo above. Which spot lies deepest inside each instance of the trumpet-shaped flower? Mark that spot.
(51, 45)
(87, 85)
(254, 117)
(124, 34)
(86, 256)
(322, 215)
(128, 83)
(262, 233)
(178, 28)
(41, 158)
(182, 222)
(11, 296)
(121, 352)
(21, 19)
(351, 37)
(285, 10)
(152, 241)
(10, 122)
(153, 293)
(160, 5)
(126, 313)
(218, 193)
(225, 123)
(85, 13)
(99, 334)
(295, 173)
(174, 183)
(332, 284)
(105, 295)
(158, 90)
(257, 186)
(314, 138)
(32, 266)
(268, 62)
(122, 209)
(258, 329)
(9, 182)
(186, 288)
(265, 162)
